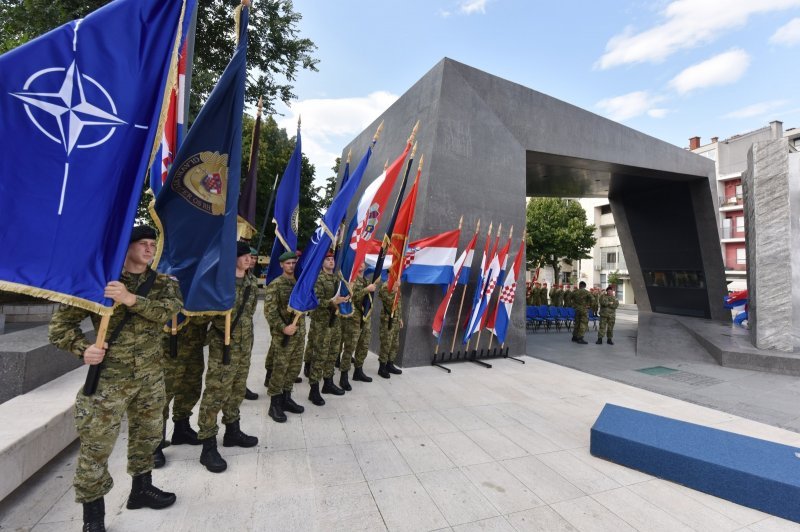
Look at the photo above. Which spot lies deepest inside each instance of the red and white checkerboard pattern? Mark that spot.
(507, 293)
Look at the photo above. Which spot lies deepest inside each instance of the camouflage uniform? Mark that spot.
(131, 382)
(558, 299)
(390, 337)
(608, 315)
(356, 334)
(286, 360)
(553, 300)
(324, 336)
(183, 375)
(581, 299)
(568, 294)
(225, 384)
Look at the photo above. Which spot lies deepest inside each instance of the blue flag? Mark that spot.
(302, 298)
(79, 114)
(287, 211)
(199, 202)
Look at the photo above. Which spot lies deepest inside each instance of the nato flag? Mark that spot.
(198, 204)
(302, 298)
(79, 111)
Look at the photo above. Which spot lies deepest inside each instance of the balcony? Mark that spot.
(731, 203)
(734, 266)
(730, 234)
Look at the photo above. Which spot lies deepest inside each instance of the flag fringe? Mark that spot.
(57, 297)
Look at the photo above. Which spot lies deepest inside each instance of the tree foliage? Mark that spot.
(557, 229)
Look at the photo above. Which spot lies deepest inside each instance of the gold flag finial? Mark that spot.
(478, 225)
(349, 154)
(414, 150)
(413, 133)
(499, 227)
(421, 163)
(489, 233)
(511, 232)
(378, 132)
(460, 221)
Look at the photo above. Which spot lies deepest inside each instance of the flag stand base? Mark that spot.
(505, 355)
(475, 356)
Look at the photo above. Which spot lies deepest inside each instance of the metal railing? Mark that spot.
(731, 232)
(731, 201)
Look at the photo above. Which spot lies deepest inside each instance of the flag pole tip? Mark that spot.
(378, 132)
(246, 3)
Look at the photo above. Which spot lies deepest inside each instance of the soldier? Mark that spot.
(390, 330)
(559, 296)
(581, 300)
(248, 393)
(608, 315)
(288, 339)
(225, 383)
(132, 381)
(324, 335)
(568, 296)
(552, 294)
(543, 296)
(529, 294)
(183, 381)
(356, 334)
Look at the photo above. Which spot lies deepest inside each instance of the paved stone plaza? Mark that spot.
(498, 449)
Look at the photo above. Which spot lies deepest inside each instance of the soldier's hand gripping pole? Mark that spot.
(173, 337)
(93, 377)
(226, 348)
(286, 338)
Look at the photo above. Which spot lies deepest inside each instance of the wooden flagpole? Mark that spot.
(463, 293)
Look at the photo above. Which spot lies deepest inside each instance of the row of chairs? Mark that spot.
(550, 317)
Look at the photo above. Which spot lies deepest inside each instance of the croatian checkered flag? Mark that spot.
(506, 301)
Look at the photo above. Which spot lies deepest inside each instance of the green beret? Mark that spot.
(253, 251)
(142, 232)
(286, 256)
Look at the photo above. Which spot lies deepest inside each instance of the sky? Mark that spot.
(671, 69)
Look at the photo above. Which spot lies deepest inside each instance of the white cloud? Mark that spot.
(631, 105)
(657, 113)
(328, 124)
(687, 24)
(757, 109)
(722, 69)
(788, 34)
(468, 7)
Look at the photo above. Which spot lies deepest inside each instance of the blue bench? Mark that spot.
(757, 473)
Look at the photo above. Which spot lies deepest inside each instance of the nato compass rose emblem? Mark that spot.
(78, 114)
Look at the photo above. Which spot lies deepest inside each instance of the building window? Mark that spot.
(620, 291)
(603, 278)
(609, 230)
(740, 224)
(611, 258)
(738, 192)
(741, 256)
(605, 209)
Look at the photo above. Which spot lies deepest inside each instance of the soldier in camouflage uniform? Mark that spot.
(529, 295)
(608, 315)
(131, 382)
(552, 294)
(248, 393)
(544, 294)
(559, 297)
(183, 378)
(324, 335)
(581, 300)
(288, 339)
(390, 330)
(356, 334)
(225, 383)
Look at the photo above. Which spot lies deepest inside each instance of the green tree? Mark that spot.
(329, 190)
(557, 229)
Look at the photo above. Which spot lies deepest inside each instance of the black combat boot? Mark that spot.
(250, 395)
(580, 340)
(330, 387)
(276, 408)
(94, 514)
(145, 495)
(234, 437)
(314, 396)
(599, 340)
(290, 406)
(298, 380)
(610, 341)
(159, 460)
(267, 378)
(210, 456)
(393, 369)
(383, 371)
(359, 375)
(574, 338)
(184, 433)
(344, 382)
